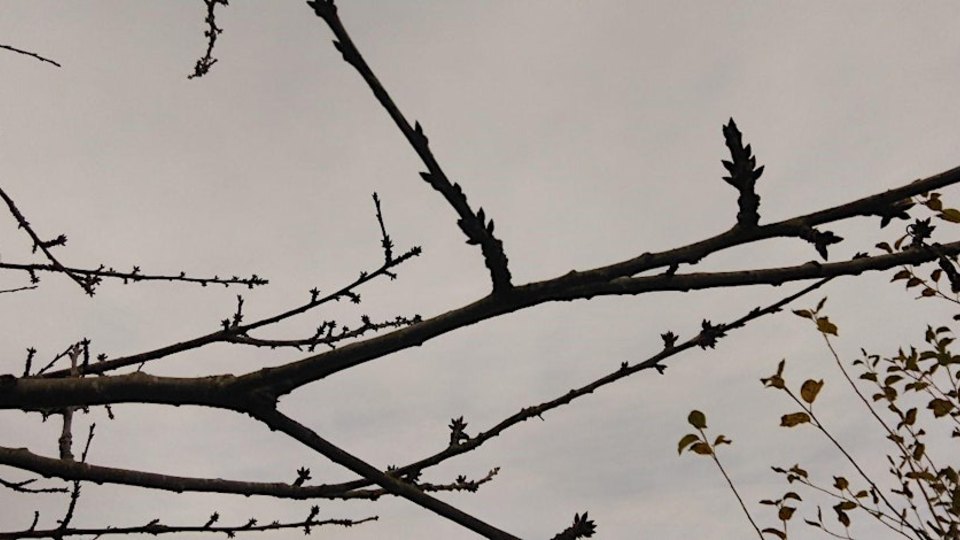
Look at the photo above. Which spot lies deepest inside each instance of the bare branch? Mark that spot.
(232, 333)
(280, 422)
(28, 53)
(211, 33)
(478, 230)
(155, 528)
(23, 459)
(87, 283)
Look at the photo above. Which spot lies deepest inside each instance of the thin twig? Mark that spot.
(28, 53)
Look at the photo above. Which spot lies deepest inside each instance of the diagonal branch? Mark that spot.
(86, 283)
(276, 420)
(227, 391)
(474, 225)
(28, 53)
(702, 339)
(230, 334)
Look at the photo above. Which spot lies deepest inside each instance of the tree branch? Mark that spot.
(28, 53)
(275, 420)
(478, 230)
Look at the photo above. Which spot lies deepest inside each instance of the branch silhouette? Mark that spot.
(256, 394)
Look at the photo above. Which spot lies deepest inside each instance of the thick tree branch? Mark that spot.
(286, 378)
(225, 391)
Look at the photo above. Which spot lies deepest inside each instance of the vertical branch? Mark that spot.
(211, 33)
(66, 435)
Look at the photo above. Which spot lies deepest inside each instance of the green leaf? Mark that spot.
(697, 419)
(794, 419)
(825, 326)
(686, 441)
(810, 389)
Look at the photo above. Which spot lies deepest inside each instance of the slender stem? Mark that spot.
(713, 455)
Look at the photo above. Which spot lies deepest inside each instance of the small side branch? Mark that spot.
(87, 283)
(31, 54)
(211, 33)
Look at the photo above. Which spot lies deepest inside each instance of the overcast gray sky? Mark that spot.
(590, 133)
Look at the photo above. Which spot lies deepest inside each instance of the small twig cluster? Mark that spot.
(212, 32)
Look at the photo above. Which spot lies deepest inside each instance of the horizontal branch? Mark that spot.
(155, 528)
(25, 460)
(134, 275)
(873, 205)
(283, 379)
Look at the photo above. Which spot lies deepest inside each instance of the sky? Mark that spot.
(589, 131)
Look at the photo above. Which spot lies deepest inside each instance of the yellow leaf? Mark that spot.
(794, 419)
(701, 448)
(686, 441)
(825, 326)
(810, 389)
